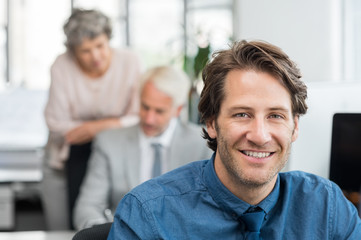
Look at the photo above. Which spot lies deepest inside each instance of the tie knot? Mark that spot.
(156, 145)
(253, 220)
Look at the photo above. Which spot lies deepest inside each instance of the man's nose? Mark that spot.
(149, 117)
(258, 132)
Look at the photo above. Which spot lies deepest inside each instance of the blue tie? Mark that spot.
(157, 165)
(253, 222)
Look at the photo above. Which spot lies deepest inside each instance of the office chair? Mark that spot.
(97, 232)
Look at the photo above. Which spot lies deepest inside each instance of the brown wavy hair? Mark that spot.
(258, 56)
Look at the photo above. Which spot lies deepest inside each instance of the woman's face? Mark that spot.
(93, 55)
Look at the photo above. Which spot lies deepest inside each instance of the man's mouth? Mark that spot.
(148, 127)
(257, 154)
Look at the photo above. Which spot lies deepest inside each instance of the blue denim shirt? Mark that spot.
(191, 203)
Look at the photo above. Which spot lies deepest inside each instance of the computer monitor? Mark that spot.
(345, 165)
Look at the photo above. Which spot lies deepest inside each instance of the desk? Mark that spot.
(20, 164)
(23, 134)
(19, 168)
(37, 235)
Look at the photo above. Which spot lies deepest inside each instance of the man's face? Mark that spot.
(156, 110)
(254, 130)
(94, 55)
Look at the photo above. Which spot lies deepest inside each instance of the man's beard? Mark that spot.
(236, 172)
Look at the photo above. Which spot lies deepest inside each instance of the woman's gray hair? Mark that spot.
(84, 24)
(172, 81)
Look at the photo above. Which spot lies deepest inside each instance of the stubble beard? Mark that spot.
(237, 173)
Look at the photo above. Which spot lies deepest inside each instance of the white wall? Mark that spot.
(310, 33)
(311, 151)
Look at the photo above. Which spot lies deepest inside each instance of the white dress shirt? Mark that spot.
(147, 151)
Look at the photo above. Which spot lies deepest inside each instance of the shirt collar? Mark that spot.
(227, 200)
(165, 138)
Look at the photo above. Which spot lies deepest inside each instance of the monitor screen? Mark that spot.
(345, 166)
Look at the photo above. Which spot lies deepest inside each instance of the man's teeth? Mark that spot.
(257, 154)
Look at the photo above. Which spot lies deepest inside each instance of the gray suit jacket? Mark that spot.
(114, 168)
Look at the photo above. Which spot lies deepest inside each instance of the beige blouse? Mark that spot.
(74, 98)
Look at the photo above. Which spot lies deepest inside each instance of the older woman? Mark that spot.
(93, 88)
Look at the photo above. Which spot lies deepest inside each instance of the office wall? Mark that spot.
(310, 33)
(311, 151)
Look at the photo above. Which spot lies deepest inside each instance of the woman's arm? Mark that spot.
(87, 130)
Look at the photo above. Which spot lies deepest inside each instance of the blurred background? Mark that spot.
(323, 37)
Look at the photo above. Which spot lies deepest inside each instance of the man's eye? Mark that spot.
(241, 115)
(276, 116)
(159, 111)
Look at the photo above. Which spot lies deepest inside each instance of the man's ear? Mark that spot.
(211, 128)
(295, 129)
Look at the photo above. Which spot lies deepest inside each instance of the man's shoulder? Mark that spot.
(190, 130)
(304, 176)
(308, 182)
(183, 180)
(117, 134)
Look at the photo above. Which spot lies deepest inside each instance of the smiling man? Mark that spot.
(254, 131)
(252, 99)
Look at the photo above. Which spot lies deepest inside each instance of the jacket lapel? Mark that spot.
(132, 158)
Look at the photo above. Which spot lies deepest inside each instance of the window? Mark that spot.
(208, 26)
(209, 22)
(352, 40)
(3, 44)
(155, 29)
(31, 36)
(35, 38)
